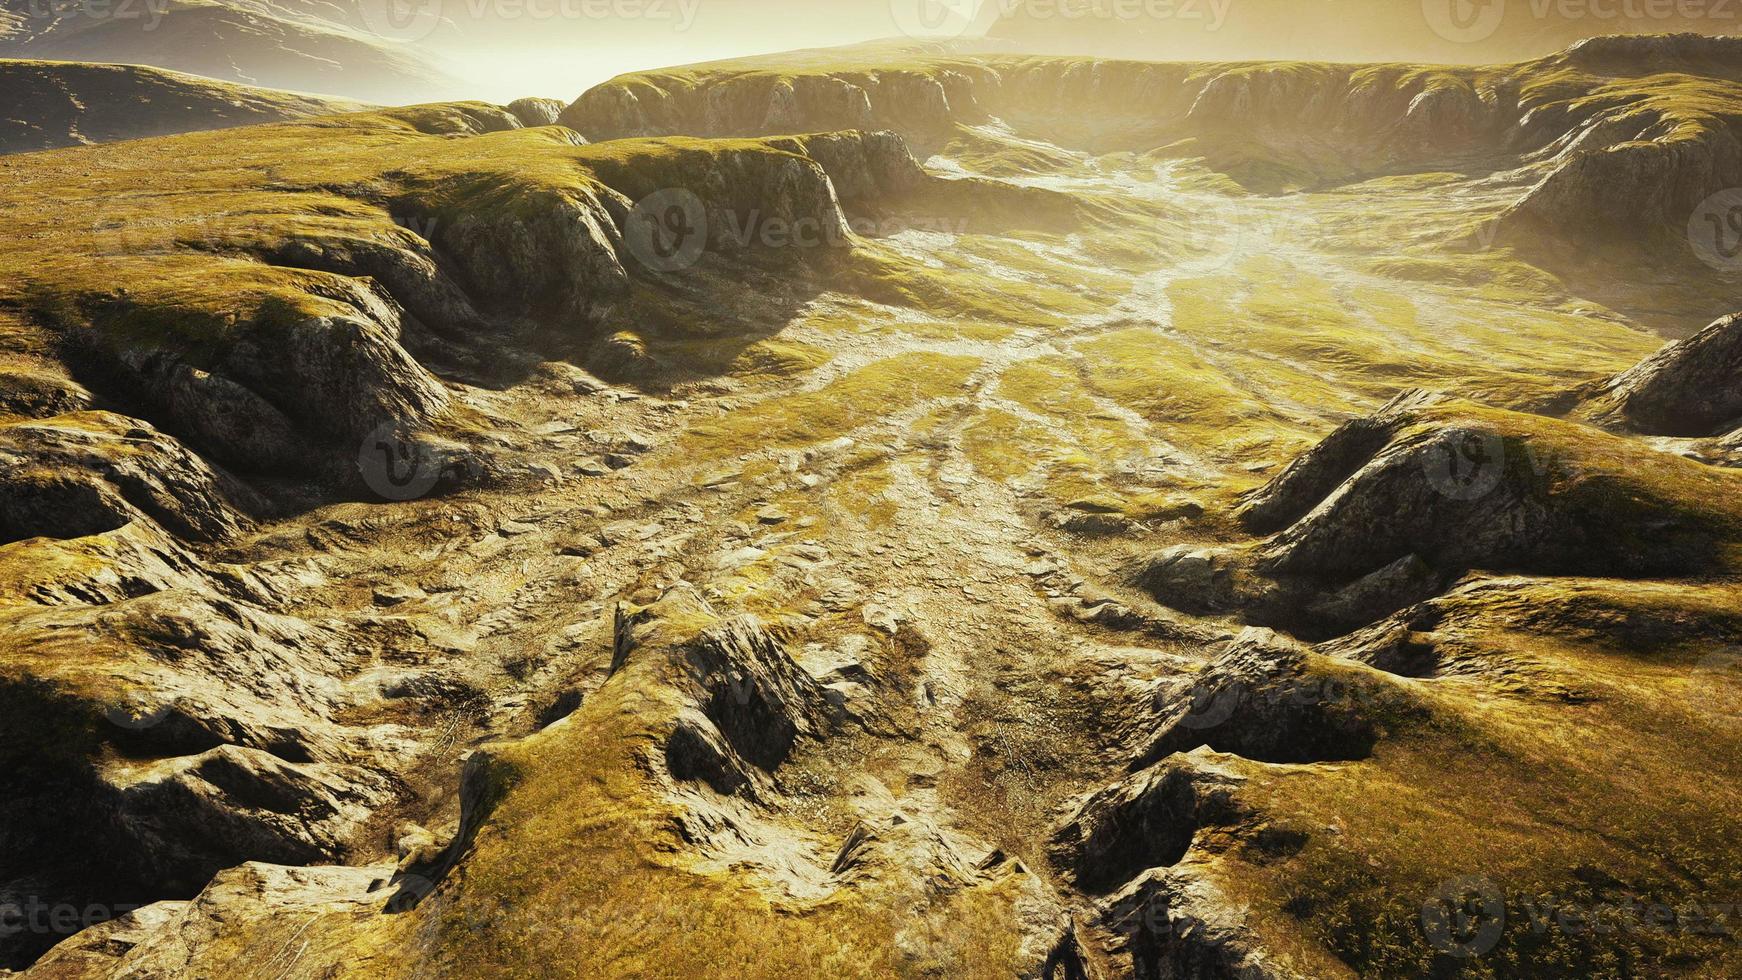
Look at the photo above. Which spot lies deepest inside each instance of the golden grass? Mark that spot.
(870, 394)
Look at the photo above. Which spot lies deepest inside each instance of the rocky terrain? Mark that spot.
(1615, 137)
(45, 105)
(286, 44)
(954, 517)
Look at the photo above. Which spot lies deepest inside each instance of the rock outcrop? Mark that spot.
(751, 703)
(1691, 388)
(1146, 821)
(1391, 508)
(1271, 700)
(1488, 489)
(1606, 153)
(85, 474)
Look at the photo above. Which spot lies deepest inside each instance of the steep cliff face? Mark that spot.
(1343, 30)
(1631, 135)
(762, 103)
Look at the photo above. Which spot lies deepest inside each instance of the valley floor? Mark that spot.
(936, 507)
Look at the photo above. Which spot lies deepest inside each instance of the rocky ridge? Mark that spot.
(1595, 147)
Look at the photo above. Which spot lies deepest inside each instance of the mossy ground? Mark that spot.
(1180, 345)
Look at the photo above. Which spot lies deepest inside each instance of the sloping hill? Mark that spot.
(48, 104)
(304, 47)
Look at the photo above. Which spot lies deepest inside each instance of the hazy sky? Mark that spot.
(559, 47)
(507, 48)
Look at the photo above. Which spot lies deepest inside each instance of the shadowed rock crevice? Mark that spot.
(1146, 821)
(1269, 699)
(1171, 923)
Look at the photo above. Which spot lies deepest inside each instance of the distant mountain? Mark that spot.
(289, 44)
(49, 104)
(1431, 31)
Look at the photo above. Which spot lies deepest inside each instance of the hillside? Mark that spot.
(310, 47)
(45, 104)
(953, 515)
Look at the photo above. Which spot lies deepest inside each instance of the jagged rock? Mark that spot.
(1690, 388)
(862, 166)
(173, 938)
(763, 104)
(99, 950)
(1193, 579)
(189, 818)
(1175, 923)
(1266, 698)
(40, 391)
(1147, 820)
(1406, 580)
(93, 472)
(1314, 475)
(1396, 647)
(553, 258)
(218, 415)
(1489, 489)
(697, 751)
(754, 693)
